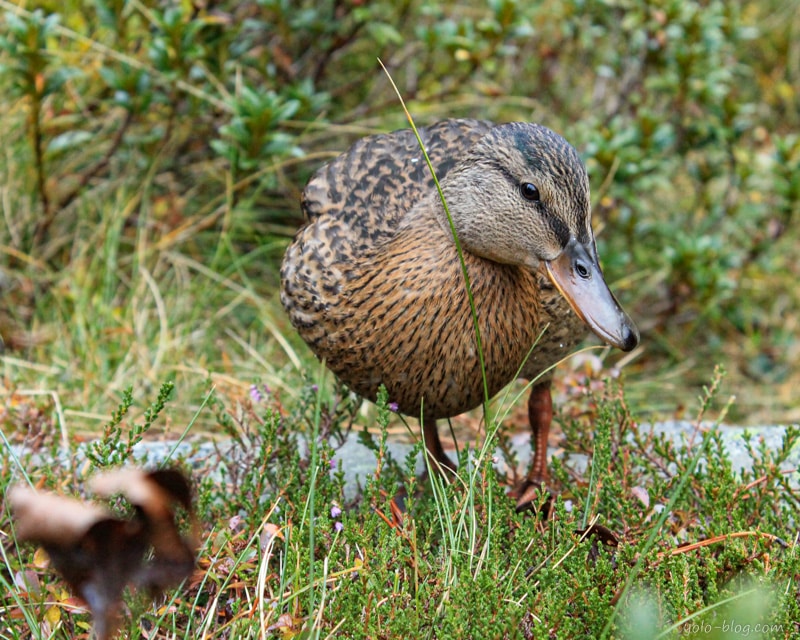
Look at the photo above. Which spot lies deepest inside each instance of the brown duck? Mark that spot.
(374, 285)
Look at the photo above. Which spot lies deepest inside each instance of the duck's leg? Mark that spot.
(439, 460)
(540, 415)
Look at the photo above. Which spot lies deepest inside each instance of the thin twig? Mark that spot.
(101, 164)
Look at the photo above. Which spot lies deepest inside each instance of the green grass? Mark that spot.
(149, 181)
(460, 561)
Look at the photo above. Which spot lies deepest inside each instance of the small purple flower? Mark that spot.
(335, 511)
(314, 388)
(393, 406)
(337, 527)
(255, 394)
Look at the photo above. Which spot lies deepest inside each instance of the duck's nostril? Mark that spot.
(631, 339)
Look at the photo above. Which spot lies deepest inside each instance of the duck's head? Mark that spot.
(521, 196)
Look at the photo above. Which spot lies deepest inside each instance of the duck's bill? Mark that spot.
(576, 274)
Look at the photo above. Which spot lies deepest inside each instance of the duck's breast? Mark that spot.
(405, 322)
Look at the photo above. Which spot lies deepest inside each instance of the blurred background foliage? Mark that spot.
(154, 152)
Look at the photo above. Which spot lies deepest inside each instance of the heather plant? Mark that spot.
(655, 538)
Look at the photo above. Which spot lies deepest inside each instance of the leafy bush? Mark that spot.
(214, 115)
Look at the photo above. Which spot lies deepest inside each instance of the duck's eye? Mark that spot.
(529, 191)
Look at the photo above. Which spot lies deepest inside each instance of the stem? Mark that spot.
(459, 250)
(41, 186)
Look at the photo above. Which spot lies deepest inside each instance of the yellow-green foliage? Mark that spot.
(153, 157)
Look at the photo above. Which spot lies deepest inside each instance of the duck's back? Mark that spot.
(355, 201)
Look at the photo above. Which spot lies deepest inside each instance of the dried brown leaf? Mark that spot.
(52, 519)
(99, 555)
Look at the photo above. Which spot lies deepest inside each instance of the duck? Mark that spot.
(373, 281)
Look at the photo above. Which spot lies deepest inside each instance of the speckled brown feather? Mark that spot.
(379, 294)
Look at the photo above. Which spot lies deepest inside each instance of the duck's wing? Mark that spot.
(354, 204)
(368, 188)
